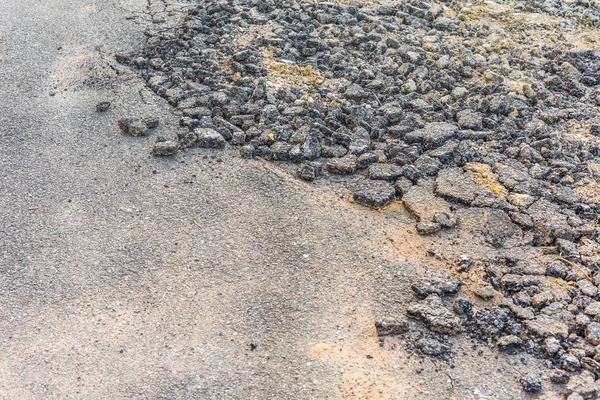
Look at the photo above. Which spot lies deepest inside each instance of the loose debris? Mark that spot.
(445, 107)
(103, 106)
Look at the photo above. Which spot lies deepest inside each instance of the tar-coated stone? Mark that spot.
(445, 219)
(103, 106)
(133, 127)
(165, 148)
(425, 227)
(210, 138)
(509, 344)
(374, 193)
(391, 326)
(309, 171)
(531, 384)
(435, 315)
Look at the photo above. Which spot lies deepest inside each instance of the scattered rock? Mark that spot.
(428, 227)
(422, 105)
(342, 166)
(165, 148)
(485, 292)
(442, 284)
(309, 171)
(435, 315)
(569, 362)
(509, 344)
(583, 384)
(456, 185)
(559, 376)
(210, 138)
(374, 193)
(462, 306)
(531, 384)
(434, 346)
(433, 135)
(593, 309)
(103, 106)
(386, 172)
(592, 333)
(445, 219)
(423, 204)
(545, 326)
(247, 151)
(133, 127)
(390, 326)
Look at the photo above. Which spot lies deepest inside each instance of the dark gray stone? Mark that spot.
(311, 149)
(531, 384)
(468, 119)
(366, 159)
(247, 151)
(165, 148)
(456, 185)
(374, 193)
(435, 316)
(509, 344)
(433, 135)
(428, 165)
(360, 142)
(569, 362)
(342, 166)
(425, 227)
(446, 220)
(442, 284)
(334, 151)
(309, 171)
(133, 127)
(385, 172)
(391, 326)
(103, 106)
(281, 151)
(210, 138)
(592, 333)
(402, 185)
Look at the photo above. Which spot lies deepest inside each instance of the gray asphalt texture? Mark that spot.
(202, 276)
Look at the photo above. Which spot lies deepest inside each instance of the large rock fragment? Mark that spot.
(374, 193)
(210, 138)
(165, 148)
(421, 201)
(385, 172)
(442, 284)
(546, 326)
(389, 326)
(457, 185)
(433, 135)
(549, 222)
(342, 166)
(435, 315)
(133, 126)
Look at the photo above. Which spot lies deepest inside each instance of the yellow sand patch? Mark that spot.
(324, 349)
(483, 175)
(590, 192)
(295, 74)
(282, 74)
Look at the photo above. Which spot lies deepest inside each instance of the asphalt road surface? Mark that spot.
(203, 276)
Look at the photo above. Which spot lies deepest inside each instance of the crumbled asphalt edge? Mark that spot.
(409, 94)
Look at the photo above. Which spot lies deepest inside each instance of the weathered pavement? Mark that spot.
(123, 276)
